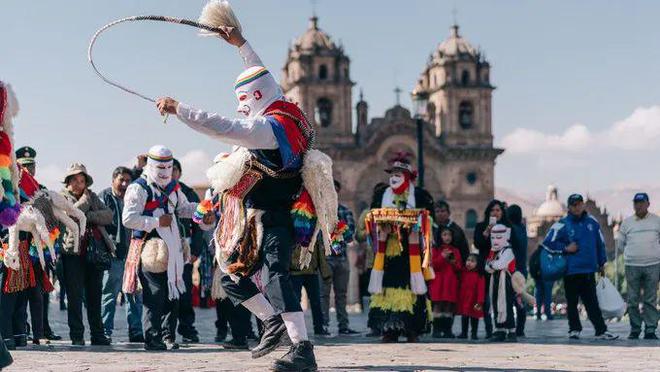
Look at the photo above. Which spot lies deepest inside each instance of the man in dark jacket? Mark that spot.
(113, 198)
(195, 238)
(443, 219)
(578, 236)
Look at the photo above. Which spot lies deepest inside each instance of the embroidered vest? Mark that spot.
(154, 203)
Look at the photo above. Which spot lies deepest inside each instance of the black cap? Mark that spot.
(25, 155)
(574, 199)
(641, 197)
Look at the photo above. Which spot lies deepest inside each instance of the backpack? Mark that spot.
(553, 264)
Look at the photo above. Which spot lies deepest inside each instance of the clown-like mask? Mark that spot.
(499, 237)
(159, 165)
(255, 90)
(397, 179)
(160, 172)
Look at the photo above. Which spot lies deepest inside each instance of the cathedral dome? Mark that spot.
(455, 45)
(314, 38)
(551, 207)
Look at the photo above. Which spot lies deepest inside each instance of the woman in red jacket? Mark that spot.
(443, 289)
(471, 297)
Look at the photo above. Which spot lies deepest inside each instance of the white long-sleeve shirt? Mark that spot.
(252, 133)
(640, 240)
(135, 200)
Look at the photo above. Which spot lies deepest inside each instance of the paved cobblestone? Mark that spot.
(545, 349)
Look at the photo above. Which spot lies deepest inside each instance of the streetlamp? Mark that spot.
(420, 102)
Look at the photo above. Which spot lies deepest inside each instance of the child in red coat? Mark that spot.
(471, 297)
(443, 289)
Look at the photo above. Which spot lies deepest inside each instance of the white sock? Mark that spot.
(259, 306)
(295, 326)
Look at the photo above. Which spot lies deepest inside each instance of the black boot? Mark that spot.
(446, 329)
(300, 358)
(5, 357)
(437, 328)
(155, 345)
(464, 327)
(474, 322)
(236, 344)
(9, 343)
(274, 329)
(20, 341)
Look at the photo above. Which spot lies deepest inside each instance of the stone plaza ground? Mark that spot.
(546, 348)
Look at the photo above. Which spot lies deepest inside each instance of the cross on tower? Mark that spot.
(314, 4)
(397, 93)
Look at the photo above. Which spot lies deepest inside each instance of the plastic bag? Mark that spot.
(610, 301)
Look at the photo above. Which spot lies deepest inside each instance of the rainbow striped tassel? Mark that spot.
(10, 208)
(304, 218)
(339, 236)
(202, 210)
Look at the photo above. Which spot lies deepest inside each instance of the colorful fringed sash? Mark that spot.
(10, 207)
(231, 226)
(23, 278)
(384, 223)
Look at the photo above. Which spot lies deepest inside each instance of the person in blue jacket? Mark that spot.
(579, 237)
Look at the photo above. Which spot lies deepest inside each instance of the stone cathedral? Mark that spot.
(459, 156)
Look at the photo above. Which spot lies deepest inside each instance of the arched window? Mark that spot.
(471, 178)
(323, 72)
(430, 110)
(470, 219)
(465, 114)
(465, 77)
(323, 112)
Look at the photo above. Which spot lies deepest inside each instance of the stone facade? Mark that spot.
(459, 156)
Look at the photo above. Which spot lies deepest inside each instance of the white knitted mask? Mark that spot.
(159, 165)
(256, 89)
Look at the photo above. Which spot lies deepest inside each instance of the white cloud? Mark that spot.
(639, 131)
(194, 164)
(521, 141)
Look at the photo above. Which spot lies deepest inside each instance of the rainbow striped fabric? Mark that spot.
(304, 218)
(9, 206)
(250, 78)
(202, 210)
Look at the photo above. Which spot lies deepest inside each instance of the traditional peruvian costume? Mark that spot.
(29, 215)
(501, 264)
(276, 193)
(157, 254)
(397, 282)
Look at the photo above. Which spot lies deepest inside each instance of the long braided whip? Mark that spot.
(134, 19)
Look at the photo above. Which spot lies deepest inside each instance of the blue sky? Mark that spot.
(577, 100)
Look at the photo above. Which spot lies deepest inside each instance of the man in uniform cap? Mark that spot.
(25, 157)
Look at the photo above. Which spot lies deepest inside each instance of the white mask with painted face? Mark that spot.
(396, 180)
(256, 89)
(159, 165)
(499, 237)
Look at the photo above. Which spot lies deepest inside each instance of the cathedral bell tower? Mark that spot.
(457, 79)
(316, 77)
